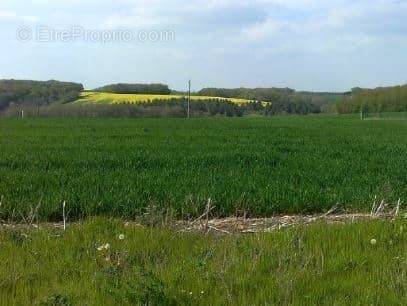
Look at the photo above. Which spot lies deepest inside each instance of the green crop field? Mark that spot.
(258, 166)
(114, 98)
(102, 262)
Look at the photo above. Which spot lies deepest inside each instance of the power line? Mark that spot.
(189, 97)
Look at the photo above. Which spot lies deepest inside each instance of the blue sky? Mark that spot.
(303, 44)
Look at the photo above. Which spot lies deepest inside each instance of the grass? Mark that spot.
(113, 98)
(386, 116)
(262, 166)
(315, 265)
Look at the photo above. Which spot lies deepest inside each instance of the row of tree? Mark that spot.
(164, 108)
(381, 99)
(121, 88)
(259, 94)
(284, 99)
(36, 93)
(161, 108)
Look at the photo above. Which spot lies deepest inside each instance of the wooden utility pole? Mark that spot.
(189, 97)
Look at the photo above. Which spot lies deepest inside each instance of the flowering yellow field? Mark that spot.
(113, 98)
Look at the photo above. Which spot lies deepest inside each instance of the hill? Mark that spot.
(25, 92)
(116, 98)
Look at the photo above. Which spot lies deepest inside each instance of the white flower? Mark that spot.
(190, 293)
(121, 237)
(373, 241)
(202, 292)
(105, 246)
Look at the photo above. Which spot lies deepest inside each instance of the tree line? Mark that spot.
(122, 88)
(176, 107)
(381, 99)
(285, 100)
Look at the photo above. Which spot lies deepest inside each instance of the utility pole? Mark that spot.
(189, 97)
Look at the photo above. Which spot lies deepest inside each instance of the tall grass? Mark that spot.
(260, 166)
(315, 265)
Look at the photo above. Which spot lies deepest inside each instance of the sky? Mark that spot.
(313, 45)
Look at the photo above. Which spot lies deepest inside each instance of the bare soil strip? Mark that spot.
(232, 225)
(258, 225)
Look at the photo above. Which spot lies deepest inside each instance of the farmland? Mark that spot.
(253, 166)
(115, 98)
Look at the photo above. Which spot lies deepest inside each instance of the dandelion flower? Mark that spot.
(373, 241)
(121, 237)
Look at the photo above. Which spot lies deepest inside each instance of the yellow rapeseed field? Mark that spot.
(113, 98)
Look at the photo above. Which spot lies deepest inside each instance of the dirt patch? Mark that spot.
(257, 225)
(243, 225)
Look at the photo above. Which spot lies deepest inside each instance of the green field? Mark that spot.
(258, 166)
(315, 265)
(114, 98)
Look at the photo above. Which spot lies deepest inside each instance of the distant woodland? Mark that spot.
(53, 98)
(29, 93)
(158, 89)
(381, 99)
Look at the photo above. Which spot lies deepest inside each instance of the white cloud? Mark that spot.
(265, 29)
(13, 16)
(134, 21)
(339, 27)
(219, 31)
